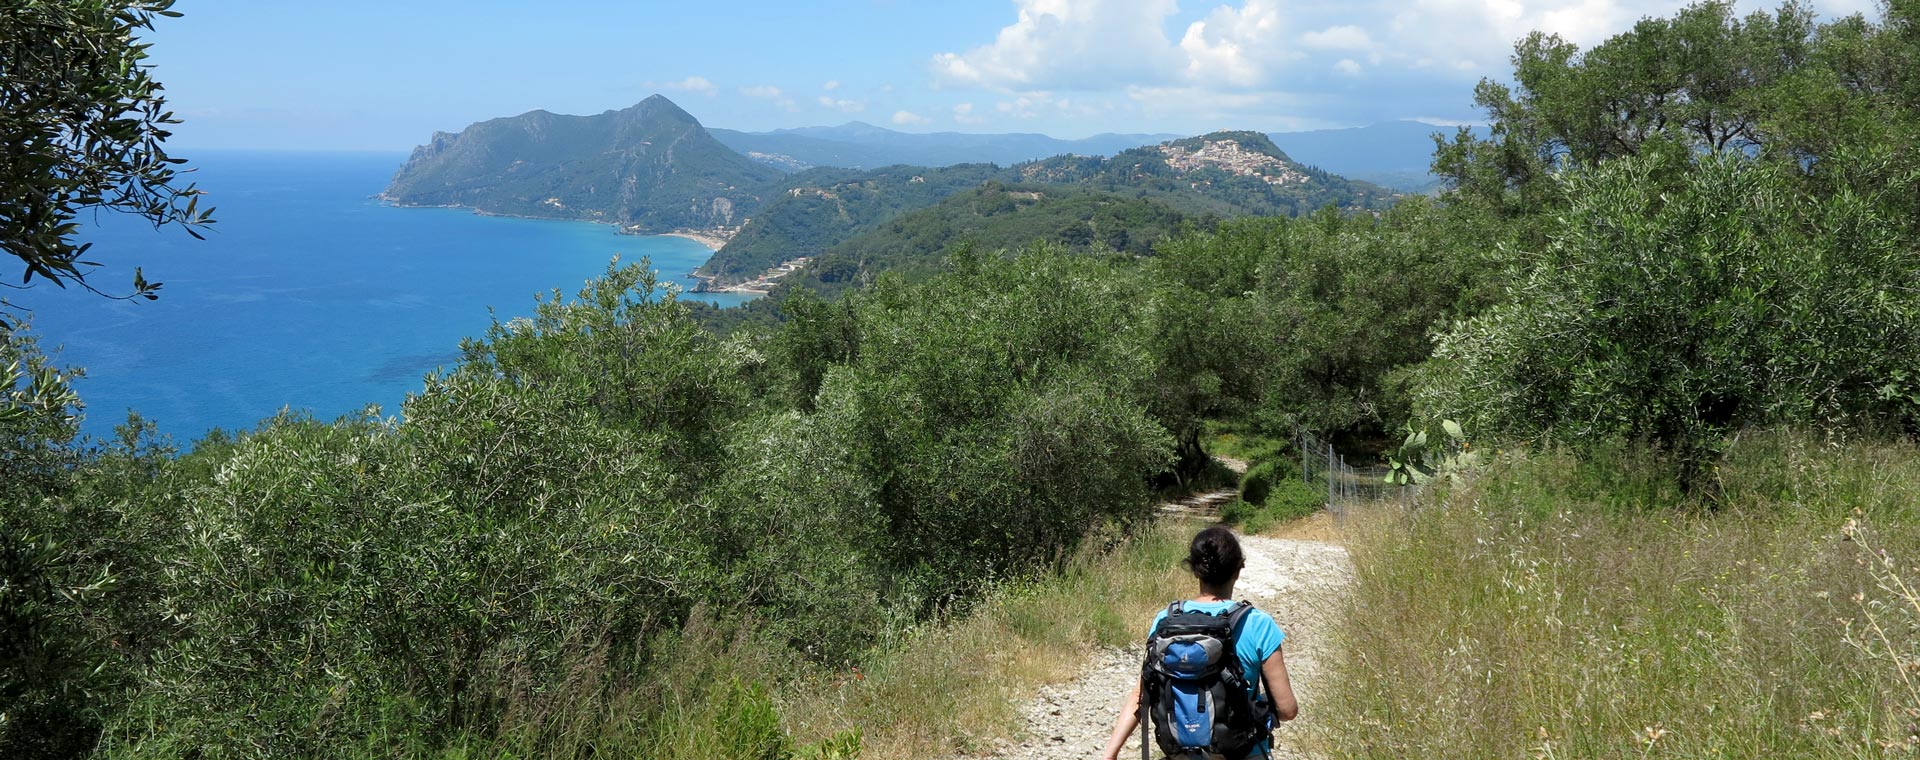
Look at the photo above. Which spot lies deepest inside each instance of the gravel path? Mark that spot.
(1296, 581)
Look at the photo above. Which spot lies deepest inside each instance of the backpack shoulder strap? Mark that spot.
(1237, 619)
(1236, 616)
(1172, 609)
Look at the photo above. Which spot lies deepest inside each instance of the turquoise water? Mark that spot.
(308, 294)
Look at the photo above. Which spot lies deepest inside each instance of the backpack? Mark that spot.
(1192, 691)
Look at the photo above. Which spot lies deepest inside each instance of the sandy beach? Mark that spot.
(708, 239)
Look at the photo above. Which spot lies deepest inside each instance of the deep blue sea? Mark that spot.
(307, 293)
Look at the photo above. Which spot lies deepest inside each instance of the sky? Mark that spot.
(385, 75)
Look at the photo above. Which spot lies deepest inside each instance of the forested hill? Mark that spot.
(651, 166)
(995, 216)
(1231, 173)
(1223, 174)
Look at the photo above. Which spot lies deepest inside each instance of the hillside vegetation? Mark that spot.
(1671, 348)
(823, 207)
(997, 217)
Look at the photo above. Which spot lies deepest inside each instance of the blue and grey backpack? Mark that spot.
(1192, 690)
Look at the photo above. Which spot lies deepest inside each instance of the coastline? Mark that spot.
(713, 240)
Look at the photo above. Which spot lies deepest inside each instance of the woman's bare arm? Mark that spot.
(1279, 688)
(1123, 727)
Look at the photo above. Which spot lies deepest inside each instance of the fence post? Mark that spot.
(1332, 500)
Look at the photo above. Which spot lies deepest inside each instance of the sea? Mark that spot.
(308, 294)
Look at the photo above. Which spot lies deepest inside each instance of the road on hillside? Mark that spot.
(1299, 581)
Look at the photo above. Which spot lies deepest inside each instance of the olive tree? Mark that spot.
(1682, 298)
(82, 122)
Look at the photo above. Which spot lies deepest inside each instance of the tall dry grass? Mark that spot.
(1562, 607)
(952, 686)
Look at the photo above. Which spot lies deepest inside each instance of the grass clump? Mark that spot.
(1556, 607)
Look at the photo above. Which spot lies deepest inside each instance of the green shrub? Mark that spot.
(1256, 483)
(1000, 411)
(1263, 477)
(1681, 299)
(1285, 501)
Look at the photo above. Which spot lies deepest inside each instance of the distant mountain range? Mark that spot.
(1393, 154)
(1396, 154)
(858, 145)
(653, 168)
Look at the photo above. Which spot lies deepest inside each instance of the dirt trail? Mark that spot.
(1298, 581)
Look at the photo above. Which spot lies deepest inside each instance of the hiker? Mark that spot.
(1214, 677)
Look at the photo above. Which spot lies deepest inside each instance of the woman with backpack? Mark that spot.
(1214, 679)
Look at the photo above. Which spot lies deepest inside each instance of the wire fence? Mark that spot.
(1347, 486)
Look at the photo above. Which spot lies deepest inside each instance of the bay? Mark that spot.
(308, 294)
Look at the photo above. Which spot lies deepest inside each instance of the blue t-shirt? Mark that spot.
(1258, 639)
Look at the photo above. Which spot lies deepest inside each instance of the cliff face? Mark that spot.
(651, 166)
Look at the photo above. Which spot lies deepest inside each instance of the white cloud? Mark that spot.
(831, 85)
(1031, 105)
(963, 113)
(1847, 7)
(1345, 37)
(1243, 59)
(1238, 47)
(770, 92)
(692, 84)
(1070, 44)
(1444, 122)
(1214, 109)
(909, 118)
(842, 105)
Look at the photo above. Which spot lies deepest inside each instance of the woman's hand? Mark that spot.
(1123, 725)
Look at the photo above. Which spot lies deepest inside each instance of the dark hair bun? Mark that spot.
(1215, 556)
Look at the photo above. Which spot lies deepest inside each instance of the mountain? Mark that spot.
(651, 167)
(1226, 173)
(1223, 174)
(1395, 154)
(858, 145)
